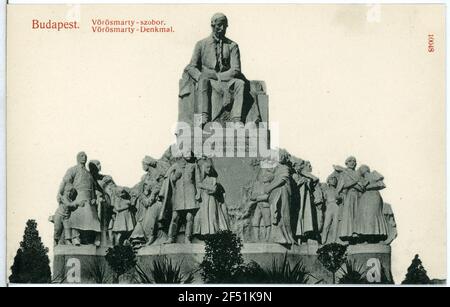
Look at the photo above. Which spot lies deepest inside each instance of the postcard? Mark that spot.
(226, 144)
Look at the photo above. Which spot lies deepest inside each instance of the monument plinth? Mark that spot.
(375, 257)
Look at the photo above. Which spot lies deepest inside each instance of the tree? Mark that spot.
(223, 260)
(31, 263)
(332, 256)
(416, 273)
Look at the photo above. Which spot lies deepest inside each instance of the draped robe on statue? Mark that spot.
(279, 200)
(351, 190)
(370, 220)
(307, 217)
(179, 195)
(212, 215)
(84, 218)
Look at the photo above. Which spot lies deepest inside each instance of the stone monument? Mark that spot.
(222, 174)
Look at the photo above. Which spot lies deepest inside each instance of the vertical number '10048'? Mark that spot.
(430, 42)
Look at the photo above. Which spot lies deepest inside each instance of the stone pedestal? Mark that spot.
(87, 264)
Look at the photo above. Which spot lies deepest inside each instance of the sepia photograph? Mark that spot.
(226, 144)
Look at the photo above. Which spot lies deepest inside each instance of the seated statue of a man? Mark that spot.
(216, 65)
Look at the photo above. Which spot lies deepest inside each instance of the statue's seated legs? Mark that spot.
(204, 88)
(211, 99)
(215, 95)
(237, 89)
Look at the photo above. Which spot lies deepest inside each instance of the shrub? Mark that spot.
(121, 259)
(223, 260)
(332, 256)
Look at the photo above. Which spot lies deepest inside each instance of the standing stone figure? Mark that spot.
(392, 225)
(259, 206)
(318, 198)
(84, 220)
(149, 166)
(351, 187)
(370, 223)
(181, 195)
(216, 65)
(241, 215)
(123, 220)
(104, 206)
(333, 212)
(108, 186)
(279, 192)
(142, 202)
(212, 216)
(307, 223)
(60, 219)
(148, 203)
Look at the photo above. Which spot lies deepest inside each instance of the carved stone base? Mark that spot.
(87, 264)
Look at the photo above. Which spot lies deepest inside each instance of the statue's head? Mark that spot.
(284, 156)
(168, 156)
(266, 175)
(81, 158)
(70, 192)
(148, 162)
(108, 184)
(363, 170)
(332, 180)
(219, 24)
(298, 165)
(122, 192)
(94, 166)
(107, 180)
(350, 162)
(207, 167)
(307, 166)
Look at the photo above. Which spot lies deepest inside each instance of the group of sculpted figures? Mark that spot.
(175, 194)
(283, 204)
(287, 204)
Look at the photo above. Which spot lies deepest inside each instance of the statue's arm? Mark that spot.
(279, 181)
(348, 180)
(68, 178)
(197, 182)
(314, 179)
(377, 185)
(299, 180)
(73, 205)
(211, 188)
(235, 65)
(193, 68)
(340, 185)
